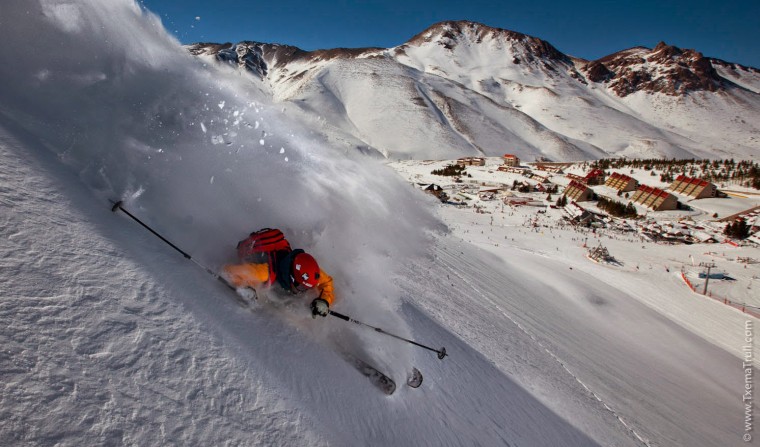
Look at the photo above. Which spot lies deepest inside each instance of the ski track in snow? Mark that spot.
(640, 368)
(552, 355)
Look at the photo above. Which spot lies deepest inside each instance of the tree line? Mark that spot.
(450, 170)
(737, 229)
(743, 172)
(617, 209)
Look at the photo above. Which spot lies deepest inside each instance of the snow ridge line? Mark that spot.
(627, 426)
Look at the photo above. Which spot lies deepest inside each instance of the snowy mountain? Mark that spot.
(463, 88)
(111, 337)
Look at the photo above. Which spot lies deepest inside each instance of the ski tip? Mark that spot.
(415, 378)
(389, 387)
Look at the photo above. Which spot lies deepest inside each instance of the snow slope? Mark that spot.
(111, 337)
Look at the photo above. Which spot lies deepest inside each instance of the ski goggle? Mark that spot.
(301, 287)
(298, 287)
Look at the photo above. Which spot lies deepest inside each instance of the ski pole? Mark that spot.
(118, 206)
(441, 352)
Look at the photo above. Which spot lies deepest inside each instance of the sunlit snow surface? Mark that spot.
(110, 337)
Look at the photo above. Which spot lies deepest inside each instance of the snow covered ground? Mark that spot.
(109, 337)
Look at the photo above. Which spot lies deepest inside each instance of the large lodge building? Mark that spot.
(578, 191)
(621, 182)
(654, 198)
(694, 187)
(511, 160)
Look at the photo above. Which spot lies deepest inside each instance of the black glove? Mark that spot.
(319, 307)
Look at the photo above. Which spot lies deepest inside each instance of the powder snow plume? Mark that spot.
(201, 157)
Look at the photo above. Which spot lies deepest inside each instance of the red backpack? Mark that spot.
(267, 245)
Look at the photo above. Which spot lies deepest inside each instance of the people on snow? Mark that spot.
(266, 258)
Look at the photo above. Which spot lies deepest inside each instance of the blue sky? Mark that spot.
(728, 30)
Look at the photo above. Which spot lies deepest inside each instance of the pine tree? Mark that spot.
(742, 230)
(729, 230)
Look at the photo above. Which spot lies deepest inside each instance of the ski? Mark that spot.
(377, 378)
(247, 298)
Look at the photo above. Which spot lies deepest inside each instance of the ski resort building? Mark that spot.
(511, 160)
(654, 198)
(594, 177)
(538, 178)
(578, 192)
(621, 182)
(471, 161)
(694, 187)
(547, 168)
(577, 215)
(752, 218)
(437, 191)
(513, 169)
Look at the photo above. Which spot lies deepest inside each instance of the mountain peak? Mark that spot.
(664, 69)
(450, 34)
(458, 29)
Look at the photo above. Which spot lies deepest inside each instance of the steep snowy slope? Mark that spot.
(112, 338)
(455, 121)
(105, 341)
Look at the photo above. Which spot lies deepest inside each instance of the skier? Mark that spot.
(266, 258)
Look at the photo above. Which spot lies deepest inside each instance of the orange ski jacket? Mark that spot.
(256, 275)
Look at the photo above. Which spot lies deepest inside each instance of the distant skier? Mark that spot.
(266, 258)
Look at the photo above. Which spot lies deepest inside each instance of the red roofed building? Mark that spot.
(471, 161)
(654, 198)
(554, 169)
(578, 192)
(594, 177)
(511, 160)
(513, 169)
(694, 187)
(621, 182)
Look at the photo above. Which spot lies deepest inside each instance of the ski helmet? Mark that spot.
(304, 272)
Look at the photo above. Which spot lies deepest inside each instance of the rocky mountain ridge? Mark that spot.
(475, 89)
